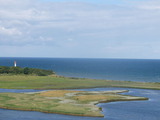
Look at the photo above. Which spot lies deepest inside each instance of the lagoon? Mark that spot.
(130, 110)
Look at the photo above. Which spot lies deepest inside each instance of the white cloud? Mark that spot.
(150, 5)
(154, 7)
(71, 25)
(9, 31)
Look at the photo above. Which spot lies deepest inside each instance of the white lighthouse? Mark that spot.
(15, 64)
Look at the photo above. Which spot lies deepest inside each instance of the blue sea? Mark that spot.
(145, 70)
(113, 69)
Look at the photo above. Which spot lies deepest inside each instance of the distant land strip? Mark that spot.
(14, 70)
(60, 82)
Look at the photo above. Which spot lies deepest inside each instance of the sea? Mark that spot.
(112, 69)
(144, 70)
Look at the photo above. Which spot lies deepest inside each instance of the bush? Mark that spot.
(26, 71)
(4, 69)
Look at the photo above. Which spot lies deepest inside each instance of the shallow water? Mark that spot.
(18, 91)
(128, 110)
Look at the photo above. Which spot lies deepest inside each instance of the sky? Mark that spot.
(80, 28)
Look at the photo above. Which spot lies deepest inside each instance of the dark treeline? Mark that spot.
(26, 71)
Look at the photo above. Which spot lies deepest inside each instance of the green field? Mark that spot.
(57, 82)
(80, 103)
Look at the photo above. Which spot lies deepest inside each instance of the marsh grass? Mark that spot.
(56, 93)
(57, 82)
(61, 101)
(90, 98)
(80, 103)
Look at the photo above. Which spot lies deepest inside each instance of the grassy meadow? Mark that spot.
(57, 82)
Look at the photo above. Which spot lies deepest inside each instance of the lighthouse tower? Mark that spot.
(15, 64)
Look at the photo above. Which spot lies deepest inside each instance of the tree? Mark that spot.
(26, 70)
(15, 70)
(4, 69)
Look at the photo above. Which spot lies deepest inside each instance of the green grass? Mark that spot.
(53, 82)
(51, 102)
(70, 103)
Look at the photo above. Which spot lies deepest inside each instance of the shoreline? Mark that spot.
(7, 108)
(77, 99)
(48, 112)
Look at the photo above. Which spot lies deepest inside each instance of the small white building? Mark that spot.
(15, 64)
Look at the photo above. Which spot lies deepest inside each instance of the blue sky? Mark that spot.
(90, 1)
(115, 2)
(80, 28)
